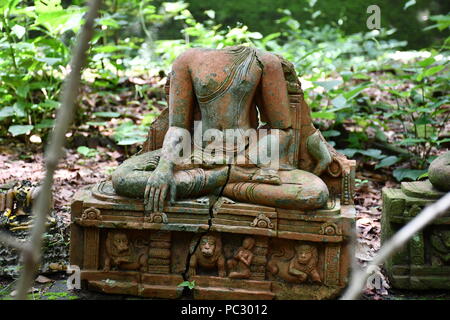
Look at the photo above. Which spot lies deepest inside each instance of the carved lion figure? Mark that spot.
(208, 255)
(298, 265)
(123, 254)
(440, 242)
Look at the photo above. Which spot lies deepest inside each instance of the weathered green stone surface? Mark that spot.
(424, 262)
(421, 189)
(439, 172)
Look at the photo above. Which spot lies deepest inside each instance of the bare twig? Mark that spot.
(427, 215)
(6, 239)
(54, 151)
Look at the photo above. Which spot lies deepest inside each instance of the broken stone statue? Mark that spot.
(234, 189)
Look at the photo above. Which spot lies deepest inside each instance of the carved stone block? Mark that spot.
(124, 253)
(424, 263)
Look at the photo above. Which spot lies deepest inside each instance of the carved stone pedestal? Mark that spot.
(424, 263)
(231, 251)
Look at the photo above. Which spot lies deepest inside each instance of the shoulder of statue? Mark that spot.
(267, 59)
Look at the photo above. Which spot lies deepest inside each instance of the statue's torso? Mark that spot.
(225, 82)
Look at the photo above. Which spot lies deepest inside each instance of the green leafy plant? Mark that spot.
(189, 284)
(87, 152)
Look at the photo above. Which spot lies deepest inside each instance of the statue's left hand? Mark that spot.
(159, 184)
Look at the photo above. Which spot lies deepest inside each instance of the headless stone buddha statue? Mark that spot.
(226, 86)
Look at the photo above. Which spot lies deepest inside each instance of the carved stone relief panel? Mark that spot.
(294, 261)
(125, 251)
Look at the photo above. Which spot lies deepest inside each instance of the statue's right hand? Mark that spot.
(159, 184)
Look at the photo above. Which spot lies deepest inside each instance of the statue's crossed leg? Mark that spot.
(298, 189)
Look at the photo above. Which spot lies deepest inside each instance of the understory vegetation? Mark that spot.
(372, 98)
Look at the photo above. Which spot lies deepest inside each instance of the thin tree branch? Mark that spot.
(54, 151)
(427, 215)
(9, 241)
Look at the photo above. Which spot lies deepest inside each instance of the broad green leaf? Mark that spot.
(189, 284)
(424, 119)
(386, 162)
(86, 151)
(46, 124)
(83, 150)
(130, 141)
(210, 13)
(443, 21)
(149, 118)
(323, 115)
(47, 5)
(49, 61)
(109, 22)
(380, 135)
(408, 4)
(23, 90)
(412, 141)
(271, 36)
(18, 31)
(254, 35)
(423, 176)
(17, 130)
(361, 76)
(349, 152)
(433, 70)
(402, 94)
(328, 85)
(20, 109)
(426, 131)
(339, 102)
(346, 75)
(50, 104)
(372, 153)
(97, 123)
(109, 48)
(427, 62)
(174, 7)
(57, 22)
(107, 114)
(443, 141)
(6, 112)
(331, 133)
(401, 174)
(356, 90)
(293, 24)
(430, 71)
(316, 14)
(8, 3)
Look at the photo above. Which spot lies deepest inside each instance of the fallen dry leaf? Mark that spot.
(43, 279)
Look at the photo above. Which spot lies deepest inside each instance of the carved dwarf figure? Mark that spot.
(122, 254)
(296, 265)
(208, 255)
(240, 263)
